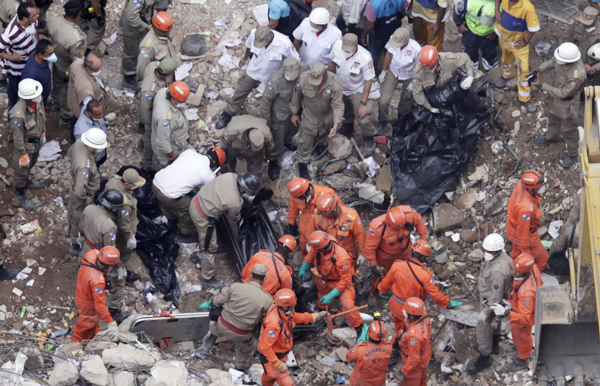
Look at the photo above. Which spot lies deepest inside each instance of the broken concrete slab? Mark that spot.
(466, 200)
(64, 374)
(476, 255)
(468, 235)
(97, 347)
(341, 353)
(384, 178)
(94, 372)
(339, 147)
(347, 335)
(334, 167)
(128, 357)
(216, 375)
(172, 373)
(446, 217)
(496, 205)
(122, 378)
(35, 360)
(370, 192)
(66, 350)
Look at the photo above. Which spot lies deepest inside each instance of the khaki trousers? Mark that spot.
(22, 173)
(244, 87)
(244, 344)
(208, 256)
(176, 210)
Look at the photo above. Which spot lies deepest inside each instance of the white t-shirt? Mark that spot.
(316, 48)
(265, 61)
(404, 60)
(190, 170)
(354, 71)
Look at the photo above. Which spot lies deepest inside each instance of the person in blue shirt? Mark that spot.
(38, 66)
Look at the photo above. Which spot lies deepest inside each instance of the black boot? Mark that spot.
(223, 121)
(34, 185)
(347, 130)
(132, 277)
(496, 345)
(207, 344)
(141, 129)
(517, 365)
(303, 171)
(274, 169)
(26, 203)
(212, 283)
(482, 363)
(369, 146)
(187, 239)
(118, 316)
(395, 358)
(7, 273)
(130, 81)
(75, 249)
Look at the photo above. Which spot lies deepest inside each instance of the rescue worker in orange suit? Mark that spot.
(333, 276)
(341, 222)
(371, 358)
(524, 214)
(409, 279)
(277, 338)
(521, 313)
(303, 199)
(279, 275)
(90, 293)
(413, 343)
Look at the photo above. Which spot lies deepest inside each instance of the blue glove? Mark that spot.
(302, 273)
(454, 303)
(206, 305)
(325, 300)
(364, 335)
(385, 296)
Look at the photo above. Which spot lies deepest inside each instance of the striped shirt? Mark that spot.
(15, 40)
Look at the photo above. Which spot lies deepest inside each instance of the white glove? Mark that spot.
(131, 243)
(112, 326)
(121, 273)
(308, 248)
(466, 84)
(434, 110)
(361, 259)
(498, 309)
(382, 76)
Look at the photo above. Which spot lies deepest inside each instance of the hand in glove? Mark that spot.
(434, 110)
(361, 259)
(382, 76)
(132, 243)
(466, 83)
(319, 315)
(327, 299)
(293, 230)
(302, 273)
(409, 88)
(454, 303)
(385, 296)
(364, 335)
(24, 161)
(121, 273)
(376, 270)
(112, 326)
(206, 305)
(498, 309)
(280, 366)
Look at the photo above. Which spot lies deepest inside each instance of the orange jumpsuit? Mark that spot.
(298, 205)
(384, 245)
(89, 297)
(372, 360)
(278, 275)
(524, 214)
(347, 228)
(405, 284)
(335, 270)
(416, 351)
(522, 315)
(276, 341)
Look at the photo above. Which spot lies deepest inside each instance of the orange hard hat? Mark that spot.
(109, 255)
(422, 247)
(414, 306)
(219, 154)
(285, 297)
(289, 242)
(163, 21)
(524, 263)
(377, 331)
(428, 56)
(180, 91)
(326, 203)
(395, 218)
(318, 240)
(532, 179)
(298, 186)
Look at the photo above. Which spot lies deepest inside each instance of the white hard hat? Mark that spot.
(567, 53)
(319, 16)
(29, 89)
(95, 138)
(594, 52)
(493, 242)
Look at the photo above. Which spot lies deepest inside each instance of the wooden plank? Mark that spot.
(196, 97)
(237, 23)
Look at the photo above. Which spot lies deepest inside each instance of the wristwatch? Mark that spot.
(363, 103)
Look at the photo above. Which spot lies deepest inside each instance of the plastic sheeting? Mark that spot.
(429, 150)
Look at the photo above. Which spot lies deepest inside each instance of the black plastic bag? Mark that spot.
(429, 150)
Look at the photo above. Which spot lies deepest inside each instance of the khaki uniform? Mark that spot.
(321, 109)
(275, 109)
(70, 43)
(150, 87)
(589, 39)
(235, 143)
(81, 84)
(494, 285)
(99, 227)
(152, 48)
(85, 180)
(8, 9)
(170, 130)
(29, 133)
(93, 31)
(567, 84)
(134, 21)
(426, 78)
(244, 305)
(221, 196)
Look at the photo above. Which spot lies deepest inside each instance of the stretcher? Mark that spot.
(167, 327)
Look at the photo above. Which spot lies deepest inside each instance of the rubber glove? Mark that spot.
(280, 366)
(385, 296)
(498, 309)
(466, 84)
(361, 259)
(293, 230)
(112, 326)
(325, 300)
(382, 76)
(132, 243)
(24, 161)
(121, 273)
(409, 87)
(454, 303)
(434, 110)
(376, 270)
(364, 335)
(319, 315)
(302, 273)
(206, 305)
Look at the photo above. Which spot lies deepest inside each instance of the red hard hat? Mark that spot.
(414, 306)
(422, 247)
(524, 263)
(298, 186)
(319, 240)
(428, 56)
(109, 255)
(180, 91)
(289, 242)
(377, 331)
(163, 21)
(395, 218)
(532, 179)
(285, 297)
(220, 154)
(326, 203)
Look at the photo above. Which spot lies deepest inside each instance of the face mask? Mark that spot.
(96, 73)
(180, 105)
(315, 29)
(52, 58)
(163, 38)
(488, 256)
(31, 29)
(308, 198)
(560, 63)
(37, 99)
(519, 278)
(98, 151)
(348, 54)
(289, 312)
(405, 314)
(289, 79)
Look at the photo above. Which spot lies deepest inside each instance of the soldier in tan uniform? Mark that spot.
(275, 109)
(134, 24)
(590, 45)
(8, 9)
(157, 44)
(157, 75)
(28, 123)
(84, 84)
(93, 23)
(565, 90)
(85, 179)
(170, 128)
(244, 305)
(70, 43)
(249, 138)
(494, 285)
(435, 70)
(225, 195)
(318, 93)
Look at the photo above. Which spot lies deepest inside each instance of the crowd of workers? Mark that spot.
(321, 80)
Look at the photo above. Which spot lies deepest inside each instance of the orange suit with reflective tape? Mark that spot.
(275, 264)
(415, 349)
(371, 363)
(522, 314)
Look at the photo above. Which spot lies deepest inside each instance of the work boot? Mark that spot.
(517, 365)
(482, 363)
(212, 283)
(223, 121)
(141, 129)
(395, 357)
(347, 130)
(34, 185)
(501, 83)
(541, 142)
(130, 81)
(274, 169)
(529, 106)
(303, 171)
(496, 345)
(207, 344)
(187, 238)
(132, 277)
(64, 124)
(369, 146)
(26, 203)
(74, 249)
(7, 273)
(118, 316)
(567, 162)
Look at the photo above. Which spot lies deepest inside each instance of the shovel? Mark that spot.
(331, 317)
